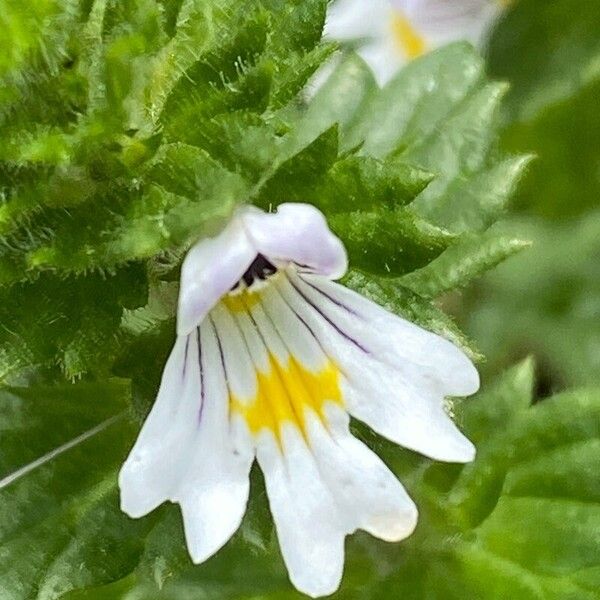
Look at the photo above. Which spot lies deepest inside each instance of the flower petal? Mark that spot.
(369, 495)
(288, 335)
(309, 528)
(395, 340)
(399, 397)
(214, 491)
(210, 269)
(441, 21)
(350, 20)
(297, 233)
(240, 370)
(322, 483)
(158, 459)
(186, 452)
(366, 492)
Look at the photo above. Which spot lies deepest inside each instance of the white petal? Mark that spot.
(309, 528)
(369, 24)
(268, 337)
(349, 20)
(210, 269)
(214, 492)
(395, 340)
(308, 521)
(297, 233)
(186, 453)
(434, 22)
(298, 339)
(398, 398)
(241, 373)
(441, 22)
(159, 457)
(367, 492)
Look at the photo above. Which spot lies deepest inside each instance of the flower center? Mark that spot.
(246, 291)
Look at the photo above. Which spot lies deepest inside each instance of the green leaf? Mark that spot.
(549, 495)
(558, 49)
(561, 181)
(432, 89)
(470, 257)
(445, 124)
(389, 241)
(472, 201)
(50, 322)
(306, 166)
(544, 302)
(34, 44)
(60, 512)
(342, 97)
(551, 107)
(37, 419)
(362, 183)
(525, 511)
(496, 406)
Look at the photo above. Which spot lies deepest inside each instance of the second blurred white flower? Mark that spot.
(387, 34)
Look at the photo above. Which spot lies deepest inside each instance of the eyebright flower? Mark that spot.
(271, 359)
(390, 33)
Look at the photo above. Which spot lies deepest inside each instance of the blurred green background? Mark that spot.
(545, 302)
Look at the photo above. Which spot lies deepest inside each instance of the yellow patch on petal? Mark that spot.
(284, 394)
(409, 40)
(240, 302)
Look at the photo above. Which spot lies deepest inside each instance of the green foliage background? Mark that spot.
(551, 295)
(131, 128)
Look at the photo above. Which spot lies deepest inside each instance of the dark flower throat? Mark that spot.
(260, 269)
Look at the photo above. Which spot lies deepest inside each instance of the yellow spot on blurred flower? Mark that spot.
(408, 39)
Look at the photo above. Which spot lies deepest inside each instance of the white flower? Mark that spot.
(390, 33)
(271, 358)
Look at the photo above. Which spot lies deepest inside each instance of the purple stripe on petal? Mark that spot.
(335, 301)
(298, 316)
(252, 320)
(222, 356)
(185, 357)
(306, 325)
(202, 392)
(334, 325)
